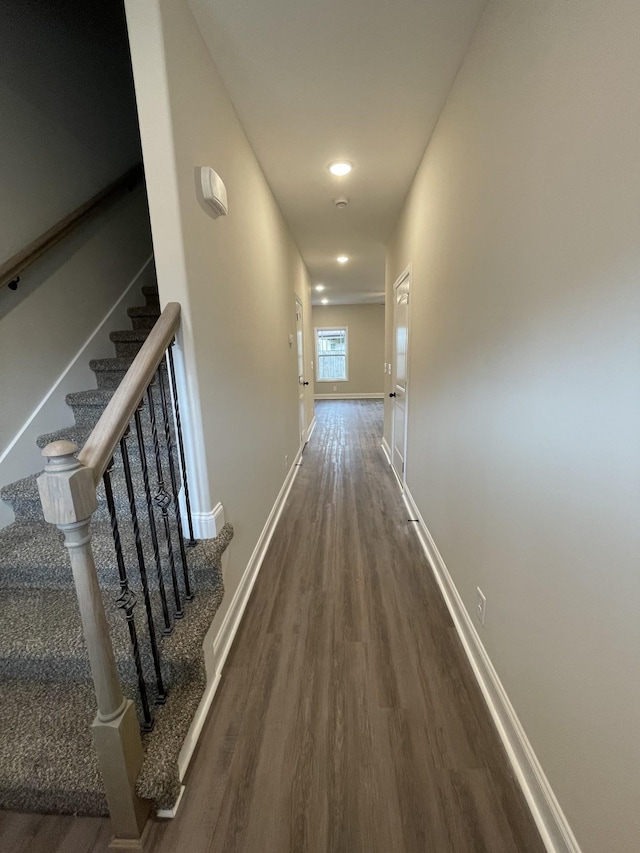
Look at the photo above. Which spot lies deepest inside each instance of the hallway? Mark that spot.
(347, 718)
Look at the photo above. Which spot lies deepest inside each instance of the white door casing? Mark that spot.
(400, 390)
(302, 384)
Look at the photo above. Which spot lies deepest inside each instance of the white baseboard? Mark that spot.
(549, 817)
(386, 449)
(230, 624)
(310, 429)
(193, 735)
(337, 396)
(173, 811)
(207, 525)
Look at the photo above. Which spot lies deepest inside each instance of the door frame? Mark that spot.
(300, 345)
(405, 275)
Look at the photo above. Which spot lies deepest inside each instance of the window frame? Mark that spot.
(334, 328)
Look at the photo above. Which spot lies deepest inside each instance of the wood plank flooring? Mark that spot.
(347, 719)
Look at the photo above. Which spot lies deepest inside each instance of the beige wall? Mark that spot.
(524, 417)
(68, 128)
(68, 112)
(365, 325)
(235, 276)
(56, 322)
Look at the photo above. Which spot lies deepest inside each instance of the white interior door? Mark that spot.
(400, 364)
(302, 383)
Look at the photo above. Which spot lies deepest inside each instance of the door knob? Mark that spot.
(393, 394)
(305, 383)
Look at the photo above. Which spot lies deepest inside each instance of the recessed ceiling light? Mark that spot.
(324, 301)
(342, 259)
(319, 286)
(340, 168)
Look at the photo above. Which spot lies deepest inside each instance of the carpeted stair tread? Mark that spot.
(50, 764)
(99, 365)
(29, 652)
(27, 486)
(30, 556)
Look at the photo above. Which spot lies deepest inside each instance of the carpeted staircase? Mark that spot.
(47, 761)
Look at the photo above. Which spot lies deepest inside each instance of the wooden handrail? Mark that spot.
(102, 442)
(12, 268)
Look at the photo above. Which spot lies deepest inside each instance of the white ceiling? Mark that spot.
(318, 80)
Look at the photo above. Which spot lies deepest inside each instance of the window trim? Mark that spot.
(335, 327)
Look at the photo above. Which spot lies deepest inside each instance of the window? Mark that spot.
(331, 355)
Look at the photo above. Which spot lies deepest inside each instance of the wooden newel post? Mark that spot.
(68, 495)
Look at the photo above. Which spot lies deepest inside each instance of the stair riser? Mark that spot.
(127, 349)
(151, 295)
(87, 417)
(109, 379)
(138, 323)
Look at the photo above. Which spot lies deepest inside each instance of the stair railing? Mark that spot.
(68, 493)
(12, 268)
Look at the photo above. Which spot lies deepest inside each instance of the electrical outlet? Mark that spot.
(481, 605)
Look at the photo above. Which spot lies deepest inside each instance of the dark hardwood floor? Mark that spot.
(347, 719)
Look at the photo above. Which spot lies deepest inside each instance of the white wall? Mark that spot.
(365, 344)
(68, 128)
(236, 277)
(524, 420)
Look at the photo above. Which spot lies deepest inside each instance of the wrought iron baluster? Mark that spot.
(174, 483)
(127, 601)
(168, 627)
(162, 500)
(183, 466)
(142, 567)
